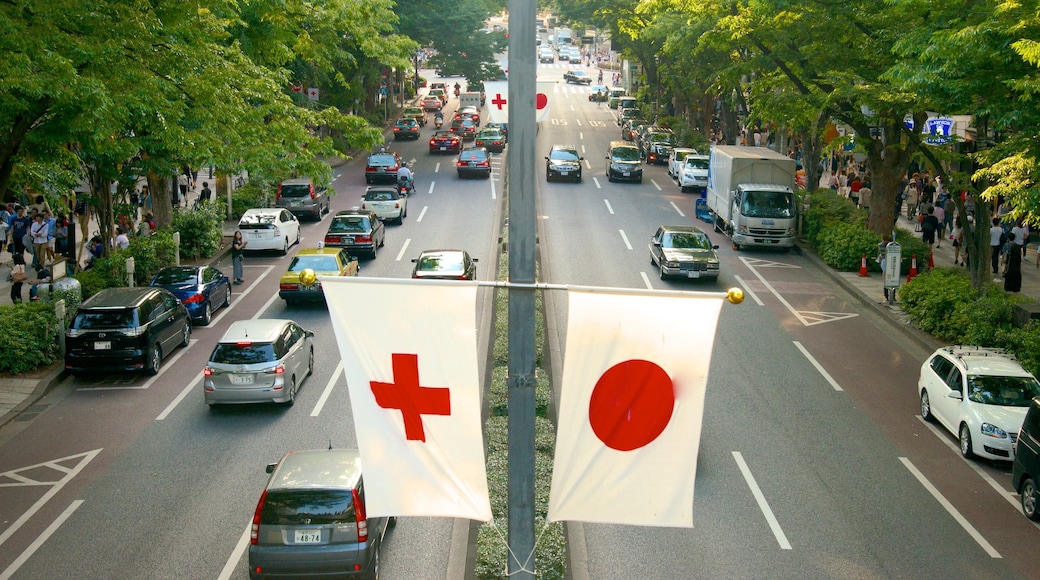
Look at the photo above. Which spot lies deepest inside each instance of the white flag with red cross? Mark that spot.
(414, 391)
(497, 100)
(632, 400)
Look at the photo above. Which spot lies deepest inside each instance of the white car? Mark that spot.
(269, 229)
(386, 202)
(979, 394)
(545, 55)
(694, 174)
(676, 159)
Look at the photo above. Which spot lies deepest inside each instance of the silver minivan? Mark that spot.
(303, 197)
(311, 520)
(257, 361)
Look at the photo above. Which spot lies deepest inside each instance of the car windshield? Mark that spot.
(440, 262)
(312, 507)
(626, 154)
(317, 263)
(256, 219)
(1004, 391)
(696, 163)
(348, 224)
(768, 204)
(381, 159)
(176, 276)
(563, 155)
(692, 241)
(103, 319)
(382, 195)
(243, 353)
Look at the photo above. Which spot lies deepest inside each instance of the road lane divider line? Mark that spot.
(681, 214)
(596, 181)
(578, 121)
(422, 213)
(405, 246)
(328, 390)
(655, 185)
(492, 180)
(432, 183)
(236, 554)
(31, 549)
(583, 149)
(960, 519)
(176, 401)
(588, 165)
(162, 370)
(625, 238)
(819, 367)
(610, 209)
(581, 136)
(646, 281)
(437, 167)
(749, 291)
(763, 505)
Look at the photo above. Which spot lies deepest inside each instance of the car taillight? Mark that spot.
(363, 205)
(485, 163)
(360, 516)
(278, 194)
(278, 370)
(254, 530)
(311, 186)
(397, 205)
(433, 141)
(370, 168)
(332, 239)
(396, 129)
(454, 141)
(362, 239)
(194, 299)
(288, 286)
(462, 163)
(207, 372)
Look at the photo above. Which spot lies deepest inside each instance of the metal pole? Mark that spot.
(521, 377)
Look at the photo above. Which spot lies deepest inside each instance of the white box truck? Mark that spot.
(751, 195)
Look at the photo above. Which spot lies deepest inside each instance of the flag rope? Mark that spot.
(505, 542)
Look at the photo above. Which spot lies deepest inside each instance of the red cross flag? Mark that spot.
(414, 392)
(631, 404)
(497, 100)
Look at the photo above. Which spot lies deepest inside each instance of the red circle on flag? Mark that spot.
(540, 101)
(631, 404)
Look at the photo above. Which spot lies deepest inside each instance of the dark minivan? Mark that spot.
(126, 329)
(1025, 471)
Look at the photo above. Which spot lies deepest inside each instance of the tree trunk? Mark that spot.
(101, 189)
(888, 165)
(162, 207)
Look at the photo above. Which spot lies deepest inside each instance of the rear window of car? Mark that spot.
(176, 276)
(318, 263)
(294, 507)
(379, 196)
(295, 190)
(348, 224)
(243, 354)
(257, 222)
(380, 159)
(472, 156)
(103, 319)
(440, 262)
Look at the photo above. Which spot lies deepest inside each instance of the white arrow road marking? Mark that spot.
(813, 317)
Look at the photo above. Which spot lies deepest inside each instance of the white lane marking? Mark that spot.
(572, 106)
(405, 246)
(596, 181)
(587, 164)
(168, 364)
(769, 286)
(646, 281)
(950, 509)
(625, 238)
(29, 551)
(655, 185)
(177, 401)
(681, 214)
(749, 291)
(437, 167)
(422, 213)
(610, 209)
(432, 183)
(492, 180)
(762, 503)
(336, 176)
(236, 300)
(266, 305)
(578, 121)
(236, 554)
(818, 366)
(581, 135)
(328, 390)
(583, 149)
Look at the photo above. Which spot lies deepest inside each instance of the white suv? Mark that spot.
(979, 394)
(694, 173)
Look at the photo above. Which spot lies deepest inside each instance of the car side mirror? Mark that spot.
(715, 247)
(270, 467)
(475, 260)
(581, 159)
(414, 260)
(607, 157)
(309, 334)
(546, 157)
(956, 395)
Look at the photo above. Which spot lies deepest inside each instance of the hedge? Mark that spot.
(30, 336)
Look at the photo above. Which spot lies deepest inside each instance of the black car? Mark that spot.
(445, 265)
(474, 161)
(464, 128)
(445, 142)
(382, 167)
(563, 162)
(357, 229)
(1025, 469)
(623, 162)
(577, 76)
(202, 289)
(126, 329)
(657, 145)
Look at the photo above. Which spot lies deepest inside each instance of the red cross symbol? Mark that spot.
(498, 101)
(413, 400)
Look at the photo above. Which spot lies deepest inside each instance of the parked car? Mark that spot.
(301, 281)
(657, 146)
(382, 167)
(201, 289)
(694, 174)
(445, 265)
(598, 93)
(623, 162)
(359, 230)
(563, 162)
(577, 76)
(406, 129)
(445, 142)
(303, 197)
(431, 104)
(627, 113)
(473, 161)
(311, 520)
(676, 158)
(269, 229)
(416, 113)
(259, 360)
(684, 251)
(614, 96)
(981, 395)
(491, 140)
(625, 102)
(387, 203)
(126, 329)
(1025, 469)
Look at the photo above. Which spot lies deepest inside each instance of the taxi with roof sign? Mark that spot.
(302, 280)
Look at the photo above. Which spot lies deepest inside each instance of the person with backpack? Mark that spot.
(929, 225)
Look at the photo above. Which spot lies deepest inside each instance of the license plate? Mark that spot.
(565, 173)
(444, 148)
(693, 274)
(296, 203)
(308, 536)
(472, 163)
(241, 379)
(348, 240)
(627, 173)
(103, 345)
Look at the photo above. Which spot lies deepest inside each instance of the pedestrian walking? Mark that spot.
(19, 228)
(1021, 231)
(1012, 266)
(940, 216)
(38, 233)
(238, 245)
(958, 242)
(996, 240)
(182, 186)
(929, 225)
(18, 276)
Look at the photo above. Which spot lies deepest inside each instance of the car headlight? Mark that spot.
(672, 264)
(991, 430)
(713, 265)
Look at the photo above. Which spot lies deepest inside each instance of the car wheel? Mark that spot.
(1029, 500)
(965, 437)
(610, 178)
(186, 334)
(661, 269)
(310, 363)
(297, 236)
(207, 313)
(227, 296)
(926, 407)
(375, 247)
(154, 360)
(292, 392)
(285, 247)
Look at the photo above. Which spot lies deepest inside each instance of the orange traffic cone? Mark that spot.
(863, 267)
(931, 260)
(913, 268)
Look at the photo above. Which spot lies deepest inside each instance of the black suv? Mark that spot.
(357, 229)
(126, 329)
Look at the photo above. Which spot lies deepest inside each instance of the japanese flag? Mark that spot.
(497, 100)
(632, 400)
(411, 370)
